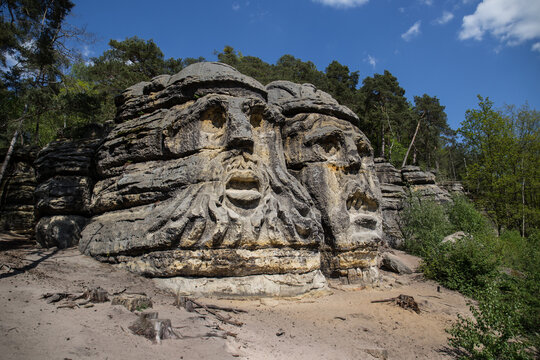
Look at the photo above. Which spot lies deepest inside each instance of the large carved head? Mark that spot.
(195, 182)
(334, 160)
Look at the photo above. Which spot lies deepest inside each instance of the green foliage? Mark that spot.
(495, 333)
(501, 272)
(433, 124)
(505, 161)
(425, 225)
(464, 217)
(466, 265)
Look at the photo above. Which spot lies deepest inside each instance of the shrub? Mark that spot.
(494, 334)
(466, 265)
(425, 225)
(464, 217)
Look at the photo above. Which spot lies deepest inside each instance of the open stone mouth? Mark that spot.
(242, 189)
(358, 200)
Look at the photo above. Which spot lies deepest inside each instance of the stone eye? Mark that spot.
(330, 144)
(213, 119)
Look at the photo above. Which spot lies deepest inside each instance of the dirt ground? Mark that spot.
(341, 323)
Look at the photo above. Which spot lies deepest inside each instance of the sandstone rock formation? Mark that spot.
(397, 185)
(215, 184)
(65, 174)
(334, 160)
(393, 194)
(17, 190)
(193, 183)
(422, 184)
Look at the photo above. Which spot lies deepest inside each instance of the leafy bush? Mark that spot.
(426, 224)
(466, 265)
(464, 217)
(495, 332)
(502, 273)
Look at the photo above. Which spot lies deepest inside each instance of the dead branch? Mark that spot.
(190, 305)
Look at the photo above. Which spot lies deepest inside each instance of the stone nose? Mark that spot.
(352, 157)
(239, 133)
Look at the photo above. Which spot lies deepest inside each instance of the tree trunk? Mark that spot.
(522, 201)
(411, 144)
(382, 140)
(11, 146)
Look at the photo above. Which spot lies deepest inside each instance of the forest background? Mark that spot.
(49, 91)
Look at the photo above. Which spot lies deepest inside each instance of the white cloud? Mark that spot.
(412, 32)
(342, 4)
(86, 51)
(536, 47)
(236, 6)
(427, 2)
(510, 21)
(401, 10)
(371, 61)
(446, 17)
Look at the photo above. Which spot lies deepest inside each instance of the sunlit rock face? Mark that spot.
(333, 159)
(193, 182)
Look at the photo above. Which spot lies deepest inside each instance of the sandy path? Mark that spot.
(340, 324)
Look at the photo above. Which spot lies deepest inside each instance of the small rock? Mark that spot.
(377, 353)
(269, 302)
(452, 238)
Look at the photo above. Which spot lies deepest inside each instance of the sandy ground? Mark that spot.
(340, 323)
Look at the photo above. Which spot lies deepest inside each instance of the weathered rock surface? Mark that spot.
(66, 158)
(65, 171)
(393, 194)
(195, 81)
(396, 186)
(193, 182)
(17, 192)
(254, 285)
(334, 160)
(64, 195)
(453, 187)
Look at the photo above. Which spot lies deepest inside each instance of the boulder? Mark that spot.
(394, 264)
(62, 231)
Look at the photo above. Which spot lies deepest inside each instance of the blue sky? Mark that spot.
(452, 49)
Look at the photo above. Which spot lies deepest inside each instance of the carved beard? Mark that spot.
(238, 203)
(253, 207)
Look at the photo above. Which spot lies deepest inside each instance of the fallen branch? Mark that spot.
(190, 305)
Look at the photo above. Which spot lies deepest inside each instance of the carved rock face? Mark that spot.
(197, 184)
(334, 160)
